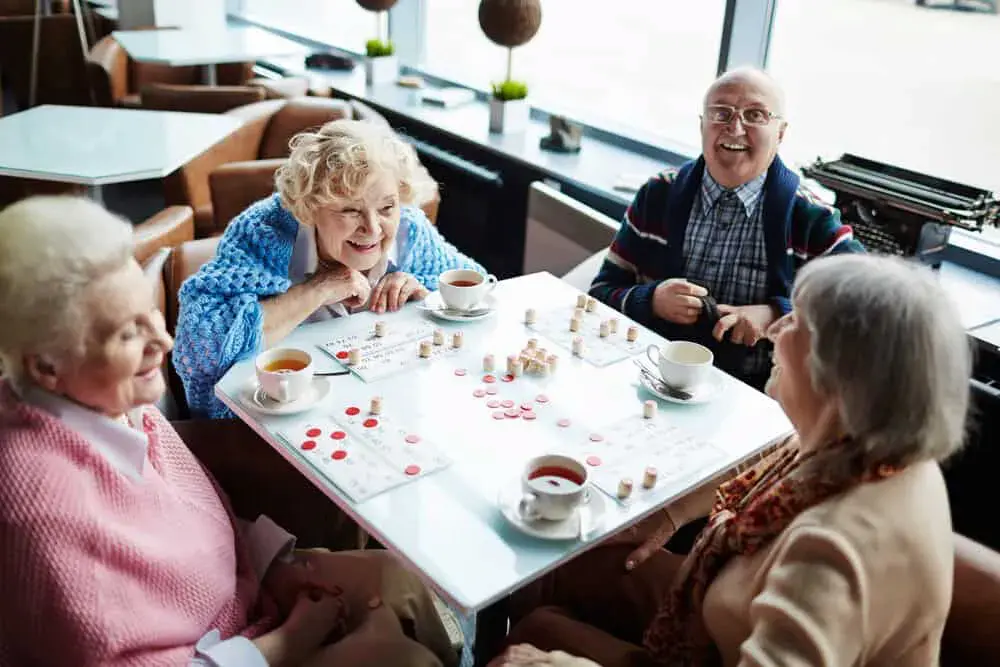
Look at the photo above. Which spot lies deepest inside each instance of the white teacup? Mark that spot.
(553, 487)
(682, 364)
(463, 289)
(285, 374)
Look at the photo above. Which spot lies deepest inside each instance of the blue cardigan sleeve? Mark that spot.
(221, 320)
(426, 254)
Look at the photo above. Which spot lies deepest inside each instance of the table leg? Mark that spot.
(210, 75)
(96, 192)
(491, 629)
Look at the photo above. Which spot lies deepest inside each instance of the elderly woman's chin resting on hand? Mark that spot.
(118, 548)
(809, 556)
(342, 233)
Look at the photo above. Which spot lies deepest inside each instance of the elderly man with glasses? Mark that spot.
(708, 252)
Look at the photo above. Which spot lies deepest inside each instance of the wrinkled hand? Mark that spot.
(286, 581)
(748, 324)
(676, 300)
(343, 285)
(649, 536)
(394, 290)
(315, 618)
(526, 655)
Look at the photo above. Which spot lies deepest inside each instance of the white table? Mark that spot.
(446, 526)
(207, 47)
(96, 146)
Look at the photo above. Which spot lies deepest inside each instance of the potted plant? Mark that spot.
(381, 64)
(509, 23)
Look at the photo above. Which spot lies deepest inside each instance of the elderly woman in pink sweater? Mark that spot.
(117, 547)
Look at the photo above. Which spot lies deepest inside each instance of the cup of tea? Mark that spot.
(682, 364)
(463, 289)
(553, 486)
(285, 374)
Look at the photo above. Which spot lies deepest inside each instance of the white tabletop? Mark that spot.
(208, 46)
(447, 525)
(96, 146)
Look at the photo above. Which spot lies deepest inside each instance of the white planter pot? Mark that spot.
(509, 117)
(381, 70)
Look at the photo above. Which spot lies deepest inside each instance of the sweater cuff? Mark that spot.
(236, 651)
(266, 541)
(784, 304)
(637, 303)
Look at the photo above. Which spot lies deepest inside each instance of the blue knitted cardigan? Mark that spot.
(221, 320)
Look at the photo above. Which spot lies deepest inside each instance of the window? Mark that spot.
(340, 22)
(638, 65)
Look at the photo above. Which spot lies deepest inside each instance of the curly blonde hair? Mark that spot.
(337, 161)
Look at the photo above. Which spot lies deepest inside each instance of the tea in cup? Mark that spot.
(463, 289)
(285, 374)
(553, 487)
(682, 364)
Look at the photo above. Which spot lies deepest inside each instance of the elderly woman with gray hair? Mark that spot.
(836, 549)
(118, 548)
(342, 233)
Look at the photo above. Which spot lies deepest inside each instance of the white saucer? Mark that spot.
(509, 499)
(257, 400)
(703, 393)
(434, 305)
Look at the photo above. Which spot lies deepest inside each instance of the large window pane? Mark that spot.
(640, 64)
(340, 22)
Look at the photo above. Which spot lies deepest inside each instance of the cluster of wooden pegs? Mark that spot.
(648, 482)
(427, 346)
(531, 360)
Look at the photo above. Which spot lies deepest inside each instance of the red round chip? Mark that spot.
(339, 455)
(489, 379)
(542, 398)
(353, 411)
(493, 404)
(596, 437)
(492, 391)
(498, 415)
(479, 393)
(527, 407)
(459, 372)
(593, 460)
(314, 433)
(412, 470)
(412, 439)
(508, 378)
(308, 444)
(563, 422)
(529, 415)
(343, 354)
(370, 423)
(507, 404)
(338, 435)
(512, 413)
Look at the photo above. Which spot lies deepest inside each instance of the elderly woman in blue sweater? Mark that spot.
(342, 233)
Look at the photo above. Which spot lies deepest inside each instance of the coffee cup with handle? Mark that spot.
(285, 374)
(463, 289)
(553, 486)
(682, 364)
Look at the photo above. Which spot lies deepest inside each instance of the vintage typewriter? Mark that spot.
(900, 212)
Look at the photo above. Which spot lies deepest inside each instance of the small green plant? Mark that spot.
(376, 48)
(509, 90)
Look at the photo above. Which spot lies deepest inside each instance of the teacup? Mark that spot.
(285, 374)
(553, 486)
(682, 364)
(463, 289)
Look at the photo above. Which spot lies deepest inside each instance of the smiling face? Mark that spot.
(791, 382)
(357, 232)
(118, 366)
(735, 152)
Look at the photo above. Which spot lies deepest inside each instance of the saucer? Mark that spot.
(568, 529)
(434, 305)
(703, 393)
(254, 398)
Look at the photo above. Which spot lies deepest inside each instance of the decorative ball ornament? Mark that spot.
(377, 5)
(509, 23)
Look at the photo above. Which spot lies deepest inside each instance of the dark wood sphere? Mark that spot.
(377, 5)
(510, 22)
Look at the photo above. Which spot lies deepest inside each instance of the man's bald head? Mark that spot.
(758, 79)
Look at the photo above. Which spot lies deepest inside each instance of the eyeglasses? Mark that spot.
(722, 114)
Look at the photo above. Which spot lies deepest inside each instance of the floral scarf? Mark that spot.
(749, 512)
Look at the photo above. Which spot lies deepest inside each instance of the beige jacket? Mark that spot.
(862, 579)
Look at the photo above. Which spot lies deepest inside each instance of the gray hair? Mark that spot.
(887, 343)
(51, 250)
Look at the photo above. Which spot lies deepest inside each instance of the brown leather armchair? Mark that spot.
(169, 228)
(971, 637)
(260, 145)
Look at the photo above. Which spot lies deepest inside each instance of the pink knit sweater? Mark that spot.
(98, 569)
